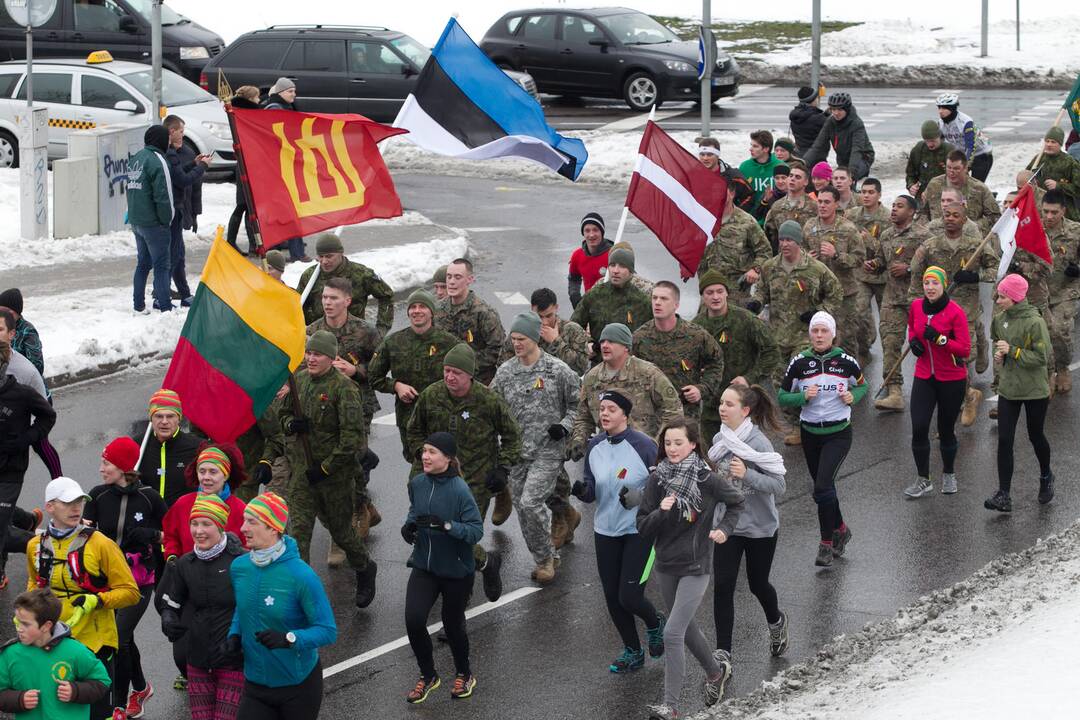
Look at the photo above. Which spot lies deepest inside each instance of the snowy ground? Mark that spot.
(1000, 645)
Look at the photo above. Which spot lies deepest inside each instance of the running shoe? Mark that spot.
(714, 687)
(136, 704)
(663, 712)
(999, 501)
(948, 483)
(824, 554)
(778, 636)
(921, 486)
(628, 661)
(463, 686)
(424, 687)
(656, 637)
(118, 714)
(840, 538)
(179, 683)
(1046, 488)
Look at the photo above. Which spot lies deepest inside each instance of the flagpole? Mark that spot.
(970, 264)
(242, 179)
(626, 208)
(1057, 121)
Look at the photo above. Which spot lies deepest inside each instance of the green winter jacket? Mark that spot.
(149, 189)
(1023, 374)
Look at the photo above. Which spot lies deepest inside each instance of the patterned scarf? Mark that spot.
(264, 557)
(681, 479)
(211, 553)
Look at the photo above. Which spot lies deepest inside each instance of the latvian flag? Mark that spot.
(464, 106)
(676, 197)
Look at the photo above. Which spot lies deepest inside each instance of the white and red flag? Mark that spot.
(676, 197)
(1021, 227)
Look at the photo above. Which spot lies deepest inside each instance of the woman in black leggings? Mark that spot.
(1022, 355)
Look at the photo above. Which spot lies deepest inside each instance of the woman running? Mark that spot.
(442, 526)
(617, 462)
(825, 382)
(744, 412)
(938, 338)
(218, 469)
(130, 514)
(676, 516)
(1022, 354)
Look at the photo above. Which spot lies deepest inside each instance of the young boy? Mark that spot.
(45, 673)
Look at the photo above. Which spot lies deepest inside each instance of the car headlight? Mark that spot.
(194, 53)
(219, 130)
(678, 66)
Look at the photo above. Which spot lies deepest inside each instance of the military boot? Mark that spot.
(893, 401)
(335, 556)
(971, 407)
(504, 505)
(374, 518)
(1064, 381)
(544, 572)
(573, 519)
(793, 437)
(559, 527)
(361, 522)
(1053, 386)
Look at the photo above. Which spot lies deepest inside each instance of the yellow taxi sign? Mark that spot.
(99, 56)
(163, 112)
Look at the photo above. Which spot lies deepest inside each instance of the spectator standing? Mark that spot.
(186, 169)
(845, 133)
(283, 97)
(246, 98)
(806, 119)
(150, 214)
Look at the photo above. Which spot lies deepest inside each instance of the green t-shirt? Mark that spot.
(760, 178)
(28, 667)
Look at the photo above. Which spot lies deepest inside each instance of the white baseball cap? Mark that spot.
(65, 490)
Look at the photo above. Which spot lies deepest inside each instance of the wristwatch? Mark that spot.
(291, 637)
(446, 525)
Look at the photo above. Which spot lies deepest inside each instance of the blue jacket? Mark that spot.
(611, 463)
(149, 189)
(287, 596)
(444, 554)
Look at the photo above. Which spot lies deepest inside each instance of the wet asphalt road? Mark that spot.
(545, 654)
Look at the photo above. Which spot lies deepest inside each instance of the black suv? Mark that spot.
(604, 52)
(337, 69)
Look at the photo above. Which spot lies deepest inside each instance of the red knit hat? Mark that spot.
(123, 452)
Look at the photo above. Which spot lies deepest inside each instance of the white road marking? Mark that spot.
(404, 641)
(1010, 123)
(511, 298)
(490, 229)
(638, 121)
(912, 105)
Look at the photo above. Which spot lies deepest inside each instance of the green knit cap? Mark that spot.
(621, 256)
(276, 260)
(930, 130)
(790, 230)
(423, 297)
(462, 357)
(1056, 134)
(527, 324)
(440, 275)
(323, 342)
(711, 277)
(328, 243)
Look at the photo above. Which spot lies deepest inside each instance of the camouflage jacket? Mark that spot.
(338, 436)
(924, 164)
(981, 205)
(539, 396)
(1065, 245)
(748, 346)
(1064, 169)
(937, 227)
(808, 287)
(605, 303)
(572, 346)
(365, 284)
(654, 397)
(897, 246)
(486, 433)
(950, 256)
(476, 323)
(739, 246)
(264, 433)
(850, 250)
(357, 340)
(688, 355)
(787, 209)
(871, 225)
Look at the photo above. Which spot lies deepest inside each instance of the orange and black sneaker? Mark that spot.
(424, 687)
(463, 686)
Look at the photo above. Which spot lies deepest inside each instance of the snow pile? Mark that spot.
(998, 645)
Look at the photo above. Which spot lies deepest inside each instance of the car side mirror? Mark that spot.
(128, 24)
(601, 43)
(126, 105)
(408, 71)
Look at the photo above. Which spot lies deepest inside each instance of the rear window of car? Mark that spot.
(316, 55)
(7, 83)
(255, 54)
(540, 27)
(512, 24)
(50, 87)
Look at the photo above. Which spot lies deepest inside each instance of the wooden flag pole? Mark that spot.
(970, 264)
(895, 367)
(1057, 121)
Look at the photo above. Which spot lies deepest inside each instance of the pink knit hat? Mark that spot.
(1014, 287)
(822, 170)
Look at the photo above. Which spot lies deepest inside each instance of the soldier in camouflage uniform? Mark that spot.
(636, 280)
(252, 444)
(542, 394)
(365, 284)
(936, 227)
(325, 458)
(410, 360)
(871, 218)
(655, 399)
(737, 252)
(838, 244)
(950, 251)
(794, 286)
(979, 201)
(470, 319)
(796, 205)
(1064, 284)
(892, 261)
(615, 301)
(1059, 171)
(687, 354)
(438, 283)
(564, 339)
(750, 355)
(927, 159)
(488, 439)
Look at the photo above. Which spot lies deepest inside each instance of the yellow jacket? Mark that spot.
(101, 557)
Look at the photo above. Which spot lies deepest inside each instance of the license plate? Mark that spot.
(723, 80)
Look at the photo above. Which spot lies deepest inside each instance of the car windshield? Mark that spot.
(411, 49)
(175, 90)
(168, 15)
(637, 29)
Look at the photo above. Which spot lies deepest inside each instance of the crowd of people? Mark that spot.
(670, 417)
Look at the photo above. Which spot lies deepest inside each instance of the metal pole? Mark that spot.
(815, 46)
(1017, 25)
(706, 82)
(985, 28)
(155, 57)
(29, 66)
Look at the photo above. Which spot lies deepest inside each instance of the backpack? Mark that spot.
(75, 563)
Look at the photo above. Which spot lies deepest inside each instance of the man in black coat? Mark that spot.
(186, 171)
(806, 120)
(845, 133)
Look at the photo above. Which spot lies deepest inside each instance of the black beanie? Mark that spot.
(157, 136)
(595, 219)
(443, 442)
(12, 300)
(806, 93)
(619, 399)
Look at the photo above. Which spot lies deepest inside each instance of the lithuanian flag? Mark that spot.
(243, 335)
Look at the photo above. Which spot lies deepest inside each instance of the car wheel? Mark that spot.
(641, 92)
(9, 150)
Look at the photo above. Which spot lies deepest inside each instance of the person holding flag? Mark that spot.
(1057, 170)
(1064, 238)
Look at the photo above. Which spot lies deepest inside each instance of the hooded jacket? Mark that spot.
(806, 121)
(139, 506)
(444, 554)
(149, 188)
(1023, 373)
(25, 418)
(941, 362)
(849, 139)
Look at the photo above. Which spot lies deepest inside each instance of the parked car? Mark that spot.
(605, 52)
(337, 69)
(97, 90)
(79, 27)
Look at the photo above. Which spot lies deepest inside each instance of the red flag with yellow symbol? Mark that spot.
(308, 172)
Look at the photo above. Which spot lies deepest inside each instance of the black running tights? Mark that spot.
(1008, 417)
(421, 593)
(948, 397)
(291, 702)
(621, 561)
(726, 560)
(824, 456)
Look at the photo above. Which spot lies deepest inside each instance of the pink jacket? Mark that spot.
(941, 362)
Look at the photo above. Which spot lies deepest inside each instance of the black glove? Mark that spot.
(273, 639)
(495, 481)
(228, 653)
(299, 425)
(431, 522)
(930, 333)
(370, 461)
(807, 316)
(557, 432)
(144, 535)
(1015, 268)
(574, 452)
(1072, 270)
(917, 347)
(966, 276)
(171, 626)
(316, 474)
(755, 307)
(623, 491)
(408, 532)
(263, 473)
(578, 489)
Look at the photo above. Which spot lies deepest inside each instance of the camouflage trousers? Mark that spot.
(980, 344)
(332, 502)
(864, 318)
(531, 483)
(893, 330)
(1061, 318)
(847, 328)
(279, 479)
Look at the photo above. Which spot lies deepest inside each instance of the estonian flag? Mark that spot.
(465, 106)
